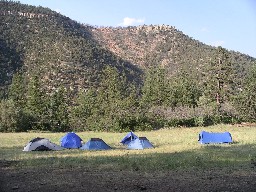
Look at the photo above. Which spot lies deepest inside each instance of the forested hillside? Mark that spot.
(57, 74)
(41, 42)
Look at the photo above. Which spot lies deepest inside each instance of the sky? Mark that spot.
(227, 23)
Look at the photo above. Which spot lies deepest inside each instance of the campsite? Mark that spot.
(140, 105)
(178, 162)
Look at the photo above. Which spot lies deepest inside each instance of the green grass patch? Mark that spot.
(175, 149)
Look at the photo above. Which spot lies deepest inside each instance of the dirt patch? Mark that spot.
(81, 179)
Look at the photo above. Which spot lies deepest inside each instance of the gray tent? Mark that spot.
(41, 144)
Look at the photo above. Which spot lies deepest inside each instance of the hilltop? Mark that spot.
(159, 45)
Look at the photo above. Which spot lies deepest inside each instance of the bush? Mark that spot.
(199, 121)
(12, 118)
(135, 124)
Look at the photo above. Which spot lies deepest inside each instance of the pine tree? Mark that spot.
(110, 95)
(58, 111)
(17, 90)
(8, 116)
(186, 90)
(84, 111)
(36, 104)
(219, 83)
(17, 96)
(245, 102)
(154, 91)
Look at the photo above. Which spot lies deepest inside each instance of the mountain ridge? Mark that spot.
(65, 52)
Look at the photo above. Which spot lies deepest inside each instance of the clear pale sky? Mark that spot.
(227, 23)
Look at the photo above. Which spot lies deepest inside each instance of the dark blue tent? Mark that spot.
(140, 143)
(95, 144)
(207, 138)
(128, 138)
(71, 141)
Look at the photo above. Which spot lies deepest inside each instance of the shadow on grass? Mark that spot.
(207, 157)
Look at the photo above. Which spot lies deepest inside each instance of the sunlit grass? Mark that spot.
(175, 148)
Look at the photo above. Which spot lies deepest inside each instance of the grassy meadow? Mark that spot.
(175, 149)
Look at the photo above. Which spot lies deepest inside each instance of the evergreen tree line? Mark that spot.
(214, 96)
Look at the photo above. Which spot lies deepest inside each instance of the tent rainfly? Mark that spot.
(95, 144)
(71, 141)
(214, 138)
(140, 143)
(128, 138)
(41, 144)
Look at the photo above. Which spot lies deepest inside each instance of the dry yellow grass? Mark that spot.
(175, 148)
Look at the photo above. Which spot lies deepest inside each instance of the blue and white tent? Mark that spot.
(42, 144)
(140, 143)
(95, 144)
(71, 141)
(128, 138)
(214, 138)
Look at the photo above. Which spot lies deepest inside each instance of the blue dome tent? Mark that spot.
(128, 138)
(140, 143)
(71, 141)
(95, 144)
(208, 138)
